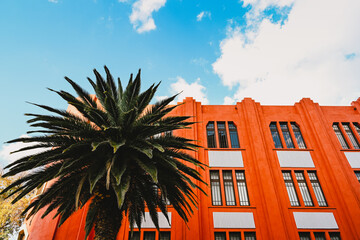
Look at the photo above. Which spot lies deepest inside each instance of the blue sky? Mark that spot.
(275, 51)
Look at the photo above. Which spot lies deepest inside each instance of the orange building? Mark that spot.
(275, 172)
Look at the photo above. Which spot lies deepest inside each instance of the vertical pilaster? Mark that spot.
(271, 218)
(331, 166)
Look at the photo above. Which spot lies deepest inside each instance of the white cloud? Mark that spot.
(5, 156)
(194, 90)
(53, 1)
(203, 14)
(141, 15)
(228, 100)
(307, 56)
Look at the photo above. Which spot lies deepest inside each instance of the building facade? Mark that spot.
(275, 172)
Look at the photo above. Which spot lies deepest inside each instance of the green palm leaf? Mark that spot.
(113, 154)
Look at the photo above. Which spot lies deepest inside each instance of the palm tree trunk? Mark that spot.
(107, 224)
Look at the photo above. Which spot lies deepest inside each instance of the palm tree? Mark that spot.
(114, 152)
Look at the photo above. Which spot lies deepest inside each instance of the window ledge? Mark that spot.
(312, 208)
(232, 207)
(225, 149)
(294, 149)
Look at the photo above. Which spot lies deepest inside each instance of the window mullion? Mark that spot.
(289, 142)
(221, 130)
(282, 139)
(304, 188)
(292, 135)
(346, 137)
(290, 188)
(318, 192)
(311, 189)
(354, 134)
(297, 189)
(223, 200)
(228, 182)
(227, 134)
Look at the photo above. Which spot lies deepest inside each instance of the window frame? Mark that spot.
(285, 130)
(146, 230)
(236, 136)
(357, 174)
(221, 137)
(228, 132)
(242, 232)
(313, 232)
(353, 129)
(309, 185)
(276, 126)
(234, 187)
(214, 134)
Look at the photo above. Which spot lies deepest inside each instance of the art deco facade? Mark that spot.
(275, 172)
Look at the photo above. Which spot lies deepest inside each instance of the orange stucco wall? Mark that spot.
(269, 201)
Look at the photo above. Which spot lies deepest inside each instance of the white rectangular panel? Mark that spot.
(301, 159)
(353, 158)
(225, 159)
(315, 220)
(163, 223)
(233, 220)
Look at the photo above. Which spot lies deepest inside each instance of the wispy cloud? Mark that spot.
(203, 14)
(53, 1)
(307, 56)
(141, 15)
(5, 156)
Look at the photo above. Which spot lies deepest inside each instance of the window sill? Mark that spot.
(294, 149)
(312, 208)
(225, 149)
(233, 207)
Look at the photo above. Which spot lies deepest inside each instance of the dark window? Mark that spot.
(241, 185)
(340, 136)
(294, 201)
(134, 236)
(250, 236)
(275, 135)
(317, 189)
(164, 236)
(220, 236)
(229, 188)
(215, 188)
(319, 235)
(304, 189)
(357, 174)
(234, 235)
(233, 135)
(210, 131)
(149, 235)
(334, 236)
(351, 135)
(304, 236)
(222, 135)
(286, 133)
(357, 128)
(168, 133)
(298, 137)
